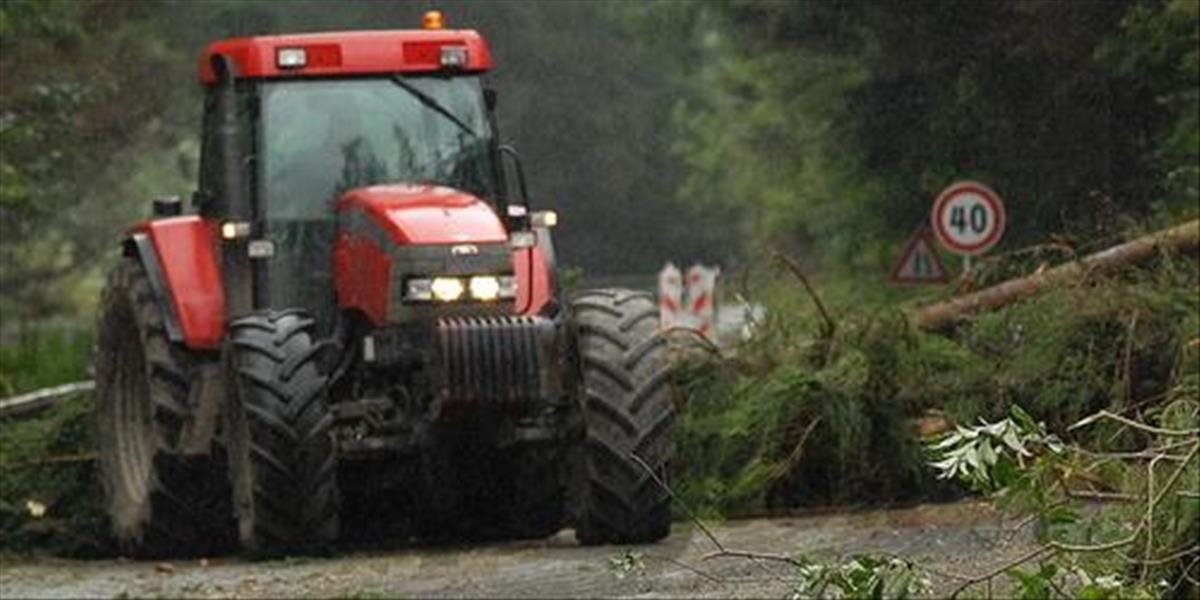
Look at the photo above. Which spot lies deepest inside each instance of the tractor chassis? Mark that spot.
(411, 437)
(506, 379)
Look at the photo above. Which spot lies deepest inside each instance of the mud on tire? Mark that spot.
(627, 411)
(159, 502)
(282, 466)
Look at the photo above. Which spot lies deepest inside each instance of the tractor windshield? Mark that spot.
(322, 138)
(319, 139)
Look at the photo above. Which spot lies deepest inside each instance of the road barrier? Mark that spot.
(691, 306)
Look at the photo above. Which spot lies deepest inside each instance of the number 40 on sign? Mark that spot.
(968, 218)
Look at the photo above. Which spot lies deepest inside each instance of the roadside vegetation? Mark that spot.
(853, 393)
(1077, 410)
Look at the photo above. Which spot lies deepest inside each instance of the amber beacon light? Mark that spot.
(432, 20)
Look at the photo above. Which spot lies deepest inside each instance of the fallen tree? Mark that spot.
(38, 400)
(1180, 239)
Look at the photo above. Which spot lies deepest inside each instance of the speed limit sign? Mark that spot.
(968, 218)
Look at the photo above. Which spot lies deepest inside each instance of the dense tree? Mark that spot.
(835, 123)
(84, 102)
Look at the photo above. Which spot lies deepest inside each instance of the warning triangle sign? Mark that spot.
(919, 263)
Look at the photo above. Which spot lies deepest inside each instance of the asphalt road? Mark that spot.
(966, 537)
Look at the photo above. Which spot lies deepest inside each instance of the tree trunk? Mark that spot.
(1183, 238)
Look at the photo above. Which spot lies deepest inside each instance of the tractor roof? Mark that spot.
(347, 53)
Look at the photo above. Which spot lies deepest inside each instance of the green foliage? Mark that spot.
(1159, 49)
(71, 137)
(794, 418)
(828, 127)
(48, 504)
(989, 457)
(1145, 548)
(48, 486)
(44, 359)
(862, 576)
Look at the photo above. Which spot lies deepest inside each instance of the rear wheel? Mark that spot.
(628, 415)
(281, 455)
(159, 502)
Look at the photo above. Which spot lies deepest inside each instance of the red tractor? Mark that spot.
(359, 311)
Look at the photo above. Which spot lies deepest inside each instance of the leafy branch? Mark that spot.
(983, 457)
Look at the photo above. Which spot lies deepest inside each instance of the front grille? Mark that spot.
(499, 361)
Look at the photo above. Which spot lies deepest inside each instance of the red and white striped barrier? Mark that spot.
(691, 306)
(670, 297)
(701, 288)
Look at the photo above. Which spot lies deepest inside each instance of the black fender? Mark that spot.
(139, 245)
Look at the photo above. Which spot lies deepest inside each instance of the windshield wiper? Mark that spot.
(432, 104)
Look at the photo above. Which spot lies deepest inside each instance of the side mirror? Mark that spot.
(509, 151)
(489, 99)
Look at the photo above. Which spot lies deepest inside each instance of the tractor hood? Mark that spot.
(420, 214)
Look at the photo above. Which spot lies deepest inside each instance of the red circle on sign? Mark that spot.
(989, 197)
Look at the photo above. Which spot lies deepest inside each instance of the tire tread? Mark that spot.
(627, 409)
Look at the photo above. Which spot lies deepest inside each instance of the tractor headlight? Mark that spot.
(447, 289)
(480, 288)
(485, 288)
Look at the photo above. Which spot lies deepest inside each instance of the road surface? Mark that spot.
(966, 537)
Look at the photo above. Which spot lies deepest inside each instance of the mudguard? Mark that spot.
(180, 259)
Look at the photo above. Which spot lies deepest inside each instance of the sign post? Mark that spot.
(968, 219)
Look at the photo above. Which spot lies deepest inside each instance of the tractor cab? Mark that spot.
(293, 123)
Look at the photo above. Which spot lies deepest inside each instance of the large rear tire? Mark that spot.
(159, 502)
(627, 412)
(281, 455)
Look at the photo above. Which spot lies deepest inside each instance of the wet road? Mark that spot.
(965, 537)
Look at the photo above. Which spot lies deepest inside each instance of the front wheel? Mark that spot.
(281, 455)
(160, 502)
(628, 416)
